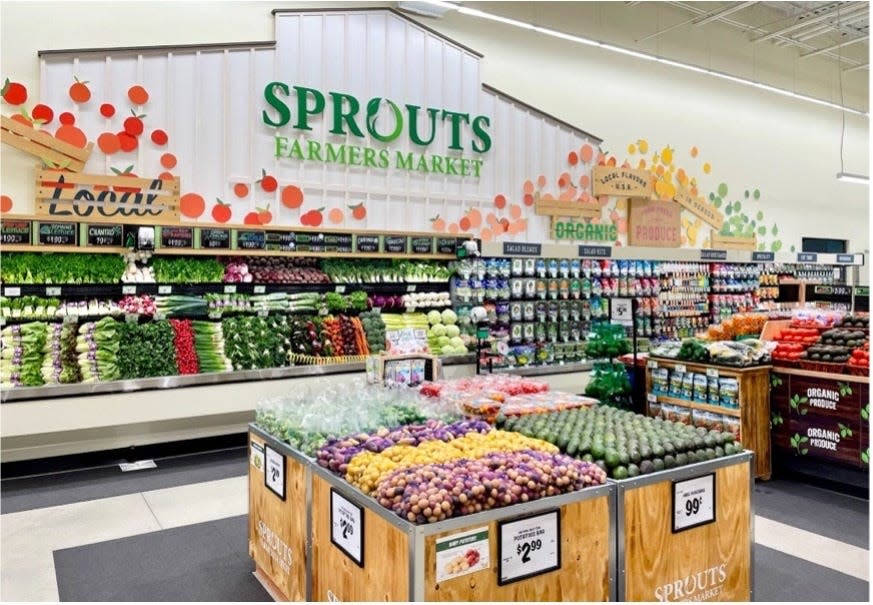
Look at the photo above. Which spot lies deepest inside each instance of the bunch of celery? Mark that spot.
(209, 346)
(21, 348)
(98, 345)
(61, 362)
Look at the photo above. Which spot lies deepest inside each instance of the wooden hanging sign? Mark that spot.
(733, 242)
(121, 198)
(43, 146)
(654, 224)
(626, 182)
(572, 230)
(567, 209)
(699, 207)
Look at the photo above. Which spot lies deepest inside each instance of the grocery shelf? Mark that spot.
(20, 394)
(703, 407)
(547, 370)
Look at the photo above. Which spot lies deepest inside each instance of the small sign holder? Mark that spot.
(695, 507)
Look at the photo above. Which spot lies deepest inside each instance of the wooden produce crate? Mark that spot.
(388, 559)
(754, 404)
(733, 242)
(671, 549)
(279, 529)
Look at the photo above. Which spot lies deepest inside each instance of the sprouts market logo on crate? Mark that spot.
(347, 117)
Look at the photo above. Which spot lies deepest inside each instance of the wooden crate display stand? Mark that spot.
(710, 562)
(133, 200)
(732, 242)
(279, 530)
(44, 146)
(754, 410)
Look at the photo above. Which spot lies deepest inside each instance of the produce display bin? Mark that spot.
(279, 529)
(754, 403)
(687, 533)
(401, 561)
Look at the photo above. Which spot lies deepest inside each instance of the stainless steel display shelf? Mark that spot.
(172, 382)
(547, 370)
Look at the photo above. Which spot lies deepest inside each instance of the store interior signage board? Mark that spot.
(693, 502)
(609, 180)
(588, 251)
(43, 146)
(16, 231)
(699, 207)
(528, 547)
(274, 471)
(522, 249)
(654, 223)
(347, 527)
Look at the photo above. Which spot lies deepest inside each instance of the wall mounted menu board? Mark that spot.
(250, 240)
(395, 244)
(367, 243)
(215, 239)
(58, 234)
(15, 231)
(109, 236)
(447, 245)
(177, 237)
(422, 245)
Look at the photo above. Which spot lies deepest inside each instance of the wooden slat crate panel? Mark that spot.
(731, 242)
(136, 200)
(567, 209)
(44, 146)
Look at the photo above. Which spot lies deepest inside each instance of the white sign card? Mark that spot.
(693, 502)
(347, 527)
(528, 547)
(622, 311)
(274, 475)
(257, 456)
(462, 554)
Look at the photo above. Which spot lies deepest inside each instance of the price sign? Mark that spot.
(711, 373)
(652, 364)
(462, 554)
(528, 547)
(713, 255)
(411, 287)
(395, 244)
(622, 311)
(250, 240)
(693, 502)
(652, 398)
(131, 318)
(12, 291)
(177, 237)
(259, 289)
(58, 234)
(159, 316)
(128, 289)
(214, 315)
(340, 289)
(281, 240)
(215, 239)
(422, 245)
(230, 289)
(105, 235)
(15, 232)
(347, 527)
(447, 245)
(165, 289)
(680, 368)
(274, 471)
(367, 243)
(53, 291)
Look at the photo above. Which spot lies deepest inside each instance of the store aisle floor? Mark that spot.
(179, 533)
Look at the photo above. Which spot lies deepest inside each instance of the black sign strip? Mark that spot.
(215, 239)
(14, 231)
(522, 249)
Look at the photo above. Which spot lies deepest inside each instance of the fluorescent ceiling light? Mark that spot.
(472, 12)
(853, 178)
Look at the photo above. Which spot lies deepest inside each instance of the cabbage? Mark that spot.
(448, 316)
(451, 331)
(447, 350)
(460, 350)
(443, 341)
(456, 342)
(440, 330)
(433, 317)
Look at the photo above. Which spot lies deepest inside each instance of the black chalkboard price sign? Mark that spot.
(367, 243)
(58, 234)
(396, 244)
(177, 237)
(447, 245)
(250, 240)
(15, 231)
(109, 236)
(422, 245)
(215, 239)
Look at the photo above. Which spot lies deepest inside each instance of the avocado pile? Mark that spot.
(855, 321)
(835, 346)
(623, 443)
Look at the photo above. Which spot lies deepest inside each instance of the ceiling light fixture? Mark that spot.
(842, 175)
(473, 12)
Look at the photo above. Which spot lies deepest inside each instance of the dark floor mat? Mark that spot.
(830, 514)
(202, 562)
(781, 577)
(18, 495)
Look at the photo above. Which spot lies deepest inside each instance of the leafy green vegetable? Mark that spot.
(49, 268)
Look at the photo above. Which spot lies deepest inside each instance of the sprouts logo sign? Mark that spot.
(701, 586)
(347, 116)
